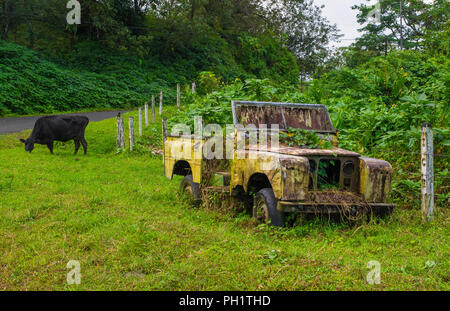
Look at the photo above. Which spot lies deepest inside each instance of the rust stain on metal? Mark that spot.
(375, 179)
(300, 116)
(295, 179)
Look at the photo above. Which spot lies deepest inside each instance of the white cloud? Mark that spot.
(340, 13)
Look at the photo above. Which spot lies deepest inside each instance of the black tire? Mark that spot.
(191, 190)
(383, 212)
(265, 208)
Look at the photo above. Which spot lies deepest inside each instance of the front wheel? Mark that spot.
(265, 208)
(190, 190)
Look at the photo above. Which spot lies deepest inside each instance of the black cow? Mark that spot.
(60, 128)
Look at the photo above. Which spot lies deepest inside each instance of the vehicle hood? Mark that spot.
(305, 152)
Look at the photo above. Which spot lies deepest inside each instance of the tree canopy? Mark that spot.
(403, 24)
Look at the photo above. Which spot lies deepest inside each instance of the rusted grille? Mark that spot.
(333, 173)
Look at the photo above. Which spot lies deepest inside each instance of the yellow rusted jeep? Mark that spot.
(279, 178)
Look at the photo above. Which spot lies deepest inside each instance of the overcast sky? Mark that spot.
(340, 12)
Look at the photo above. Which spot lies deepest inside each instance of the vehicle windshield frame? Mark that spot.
(235, 104)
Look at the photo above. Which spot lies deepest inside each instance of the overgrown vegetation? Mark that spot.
(304, 138)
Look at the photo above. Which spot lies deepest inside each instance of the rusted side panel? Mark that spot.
(287, 175)
(268, 164)
(295, 173)
(183, 149)
(375, 179)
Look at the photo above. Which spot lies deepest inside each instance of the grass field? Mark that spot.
(121, 219)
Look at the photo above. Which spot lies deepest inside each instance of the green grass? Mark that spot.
(120, 217)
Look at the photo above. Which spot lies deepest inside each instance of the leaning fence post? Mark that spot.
(131, 132)
(427, 171)
(178, 95)
(146, 113)
(120, 143)
(193, 87)
(160, 102)
(140, 121)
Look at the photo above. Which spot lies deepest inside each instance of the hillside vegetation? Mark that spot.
(31, 83)
(123, 52)
(92, 77)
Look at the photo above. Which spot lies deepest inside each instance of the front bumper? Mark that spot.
(335, 208)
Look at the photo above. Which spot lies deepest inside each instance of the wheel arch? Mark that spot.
(258, 181)
(182, 168)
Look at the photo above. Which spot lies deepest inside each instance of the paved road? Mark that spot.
(12, 125)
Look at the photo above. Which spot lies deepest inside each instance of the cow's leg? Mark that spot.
(84, 143)
(77, 145)
(50, 146)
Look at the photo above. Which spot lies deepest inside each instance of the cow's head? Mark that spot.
(29, 144)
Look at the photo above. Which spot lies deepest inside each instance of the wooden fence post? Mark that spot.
(146, 113)
(120, 143)
(131, 132)
(160, 102)
(153, 108)
(178, 95)
(118, 131)
(140, 121)
(427, 172)
(164, 135)
(193, 87)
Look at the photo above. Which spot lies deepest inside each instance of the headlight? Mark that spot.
(348, 168)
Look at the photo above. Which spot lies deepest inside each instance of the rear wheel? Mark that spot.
(265, 208)
(190, 190)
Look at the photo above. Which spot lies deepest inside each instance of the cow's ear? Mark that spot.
(22, 140)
